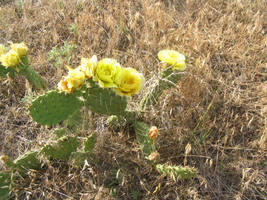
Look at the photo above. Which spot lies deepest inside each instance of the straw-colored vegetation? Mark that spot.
(214, 119)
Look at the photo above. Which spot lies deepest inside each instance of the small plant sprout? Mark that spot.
(15, 61)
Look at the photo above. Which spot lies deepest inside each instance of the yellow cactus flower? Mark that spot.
(63, 86)
(20, 48)
(10, 59)
(173, 58)
(88, 66)
(73, 80)
(129, 81)
(105, 72)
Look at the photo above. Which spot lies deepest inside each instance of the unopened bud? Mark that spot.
(153, 156)
(153, 132)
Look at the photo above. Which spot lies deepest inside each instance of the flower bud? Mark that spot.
(153, 132)
(153, 156)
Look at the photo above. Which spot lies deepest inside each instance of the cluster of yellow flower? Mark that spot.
(107, 72)
(173, 58)
(11, 58)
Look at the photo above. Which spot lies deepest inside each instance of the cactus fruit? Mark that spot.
(54, 107)
(146, 144)
(62, 149)
(104, 101)
(176, 171)
(169, 79)
(5, 181)
(89, 144)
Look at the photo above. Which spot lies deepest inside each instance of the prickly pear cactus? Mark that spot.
(74, 120)
(5, 181)
(60, 132)
(62, 149)
(169, 79)
(54, 107)
(104, 101)
(89, 144)
(33, 77)
(176, 171)
(6, 70)
(27, 161)
(77, 159)
(144, 141)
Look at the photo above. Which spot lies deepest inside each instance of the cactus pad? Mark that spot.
(33, 77)
(104, 101)
(54, 107)
(77, 159)
(169, 79)
(62, 149)
(27, 161)
(89, 144)
(4, 71)
(177, 171)
(74, 120)
(5, 181)
(144, 141)
(60, 132)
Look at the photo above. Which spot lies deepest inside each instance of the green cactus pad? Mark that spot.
(77, 159)
(89, 144)
(104, 101)
(169, 79)
(5, 181)
(4, 71)
(27, 161)
(151, 98)
(74, 120)
(177, 171)
(54, 107)
(62, 149)
(145, 143)
(60, 132)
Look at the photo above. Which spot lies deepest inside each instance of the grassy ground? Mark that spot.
(219, 108)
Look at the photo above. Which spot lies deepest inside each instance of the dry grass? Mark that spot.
(219, 108)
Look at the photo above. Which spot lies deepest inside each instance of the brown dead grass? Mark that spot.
(226, 44)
